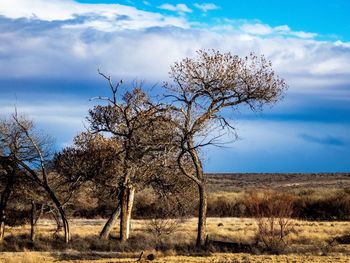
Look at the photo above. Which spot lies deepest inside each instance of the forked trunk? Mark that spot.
(131, 192)
(58, 205)
(127, 199)
(35, 216)
(112, 220)
(65, 227)
(123, 213)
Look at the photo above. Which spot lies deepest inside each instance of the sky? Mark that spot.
(50, 51)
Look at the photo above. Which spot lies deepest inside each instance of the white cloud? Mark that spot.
(257, 29)
(107, 17)
(65, 40)
(205, 7)
(284, 30)
(180, 8)
(145, 44)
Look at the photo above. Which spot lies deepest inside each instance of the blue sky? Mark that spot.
(50, 51)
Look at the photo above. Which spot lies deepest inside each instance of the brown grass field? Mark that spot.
(308, 240)
(307, 243)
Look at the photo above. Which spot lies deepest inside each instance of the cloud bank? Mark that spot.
(62, 40)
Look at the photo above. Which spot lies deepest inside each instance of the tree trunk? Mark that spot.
(58, 205)
(65, 226)
(123, 213)
(202, 190)
(2, 223)
(127, 199)
(202, 215)
(33, 222)
(11, 170)
(131, 193)
(35, 216)
(112, 220)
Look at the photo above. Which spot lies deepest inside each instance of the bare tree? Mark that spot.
(202, 88)
(8, 176)
(12, 144)
(141, 127)
(31, 152)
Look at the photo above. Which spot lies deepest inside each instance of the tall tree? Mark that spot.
(141, 127)
(202, 88)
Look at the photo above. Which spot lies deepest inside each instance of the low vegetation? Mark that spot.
(308, 238)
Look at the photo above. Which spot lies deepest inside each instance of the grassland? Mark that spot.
(227, 182)
(309, 241)
(35, 257)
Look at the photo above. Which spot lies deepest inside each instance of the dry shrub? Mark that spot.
(162, 228)
(226, 206)
(165, 222)
(324, 205)
(272, 211)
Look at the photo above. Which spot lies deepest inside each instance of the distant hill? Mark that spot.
(233, 182)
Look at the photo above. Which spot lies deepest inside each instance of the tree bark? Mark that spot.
(131, 193)
(2, 223)
(202, 190)
(112, 220)
(202, 215)
(127, 199)
(123, 214)
(33, 222)
(58, 205)
(35, 216)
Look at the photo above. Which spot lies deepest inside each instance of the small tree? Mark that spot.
(29, 152)
(93, 161)
(8, 176)
(202, 88)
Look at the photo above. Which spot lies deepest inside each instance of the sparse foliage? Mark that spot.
(144, 132)
(202, 88)
(29, 153)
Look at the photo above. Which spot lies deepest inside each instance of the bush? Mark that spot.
(327, 207)
(272, 211)
(223, 206)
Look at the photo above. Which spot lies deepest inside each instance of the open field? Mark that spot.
(34, 257)
(287, 181)
(308, 243)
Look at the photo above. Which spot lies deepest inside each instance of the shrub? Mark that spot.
(325, 207)
(224, 206)
(272, 211)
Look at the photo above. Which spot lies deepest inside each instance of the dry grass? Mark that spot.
(34, 257)
(230, 229)
(235, 229)
(307, 242)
